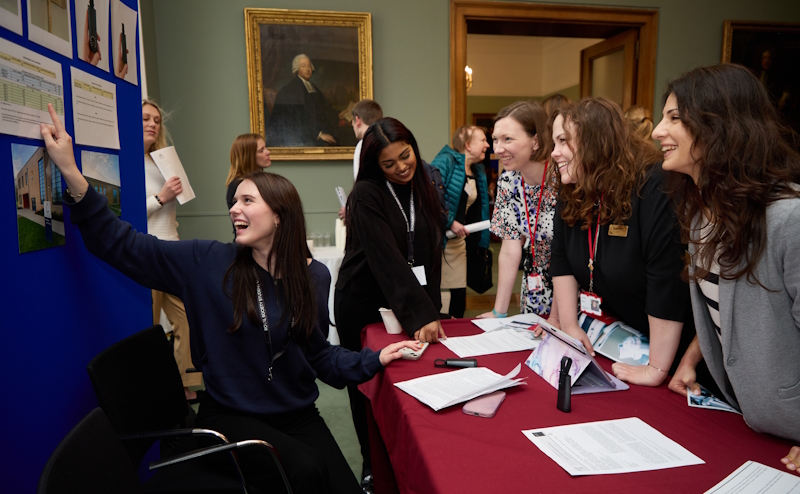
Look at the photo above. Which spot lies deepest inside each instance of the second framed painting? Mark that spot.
(305, 71)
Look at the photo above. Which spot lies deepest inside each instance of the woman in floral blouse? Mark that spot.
(520, 142)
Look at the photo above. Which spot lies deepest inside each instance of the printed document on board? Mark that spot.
(94, 110)
(169, 165)
(28, 82)
(610, 446)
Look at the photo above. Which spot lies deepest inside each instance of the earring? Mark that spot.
(276, 223)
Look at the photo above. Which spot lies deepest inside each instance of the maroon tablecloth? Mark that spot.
(450, 452)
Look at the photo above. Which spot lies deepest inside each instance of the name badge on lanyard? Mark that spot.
(534, 280)
(590, 301)
(419, 271)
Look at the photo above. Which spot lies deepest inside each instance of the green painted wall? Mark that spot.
(202, 77)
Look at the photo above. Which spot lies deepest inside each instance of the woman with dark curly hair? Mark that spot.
(739, 209)
(616, 245)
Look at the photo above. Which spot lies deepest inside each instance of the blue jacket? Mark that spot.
(450, 164)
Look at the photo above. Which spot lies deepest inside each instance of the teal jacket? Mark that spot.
(450, 164)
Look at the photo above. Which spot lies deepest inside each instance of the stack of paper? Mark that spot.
(501, 341)
(708, 400)
(440, 391)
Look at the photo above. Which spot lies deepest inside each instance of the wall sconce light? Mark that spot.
(468, 75)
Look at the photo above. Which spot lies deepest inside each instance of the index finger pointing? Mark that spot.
(56, 121)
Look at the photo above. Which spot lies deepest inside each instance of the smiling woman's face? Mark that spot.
(398, 162)
(676, 142)
(151, 125)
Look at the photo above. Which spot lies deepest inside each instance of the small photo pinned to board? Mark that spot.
(38, 196)
(102, 172)
(91, 31)
(124, 25)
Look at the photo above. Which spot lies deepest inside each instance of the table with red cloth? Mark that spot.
(451, 452)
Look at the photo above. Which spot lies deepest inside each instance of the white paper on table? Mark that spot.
(94, 110)
(12, 20)
(28, 81)
(755, 478)
(440, 391)
(51, 26)
(472, 228)
(168, 163)
(610, 446)
(500, 341)
(521, 321)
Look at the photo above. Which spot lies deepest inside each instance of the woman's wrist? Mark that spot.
(499, 315)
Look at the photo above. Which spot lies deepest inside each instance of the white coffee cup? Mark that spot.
(390, 321)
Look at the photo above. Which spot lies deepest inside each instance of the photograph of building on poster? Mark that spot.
(102, 172)
(38, 197)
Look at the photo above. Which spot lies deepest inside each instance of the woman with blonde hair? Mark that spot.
(248, 154)
(161, 212)
(640, 119)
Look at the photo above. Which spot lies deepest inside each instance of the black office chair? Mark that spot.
(91, 459)
(139, 388)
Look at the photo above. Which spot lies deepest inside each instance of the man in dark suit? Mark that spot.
(301, 116)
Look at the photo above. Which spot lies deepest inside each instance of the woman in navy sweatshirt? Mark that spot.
(252, 311)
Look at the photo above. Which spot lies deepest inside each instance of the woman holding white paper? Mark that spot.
(464, 178)
(253, 319)
(739, 209)
(525, 203)
(161, 206)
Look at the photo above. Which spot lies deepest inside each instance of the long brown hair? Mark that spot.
(611, 162)
(746, 160)
(243, 156)
(378, 136)
(533, 118)
(288, 256)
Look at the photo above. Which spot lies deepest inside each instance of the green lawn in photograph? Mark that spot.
(116, 209)
(31, 236)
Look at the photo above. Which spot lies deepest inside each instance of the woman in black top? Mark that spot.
(393, 255)
(608, 177)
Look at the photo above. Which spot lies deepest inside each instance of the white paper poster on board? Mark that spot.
(28, 82)
(11, 15)
(94, 110)
(123, 41)
(50, 25)
(91, 29)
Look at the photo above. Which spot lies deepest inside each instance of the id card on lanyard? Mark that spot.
(419, 271)
(534, 280)
(590, 301)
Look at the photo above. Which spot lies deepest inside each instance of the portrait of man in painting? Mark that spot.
(771, 51)
(310, 79)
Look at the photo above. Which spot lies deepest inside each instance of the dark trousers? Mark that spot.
(309, 454)
(458, 302)
(352, 314)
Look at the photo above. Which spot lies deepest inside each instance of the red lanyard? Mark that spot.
(538, 207)
(593, 246)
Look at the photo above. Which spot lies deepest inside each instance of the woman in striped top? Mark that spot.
(739, 209)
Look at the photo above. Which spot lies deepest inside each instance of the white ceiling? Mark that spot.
(515, 65)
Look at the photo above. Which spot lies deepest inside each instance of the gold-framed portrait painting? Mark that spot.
(305, 71)
(771, 50)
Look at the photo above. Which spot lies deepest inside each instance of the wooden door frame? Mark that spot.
(646, 20)
(625, 40)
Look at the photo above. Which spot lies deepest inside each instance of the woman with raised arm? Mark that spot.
(248, 154)
(162, 206)
(616, 246)
(251, 309)
(739, 209)
(525, 203)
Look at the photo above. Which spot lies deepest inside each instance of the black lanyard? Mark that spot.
(267, 336)
(409, 225)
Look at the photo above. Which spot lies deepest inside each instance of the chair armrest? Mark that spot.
(175, 433)
(221, 448)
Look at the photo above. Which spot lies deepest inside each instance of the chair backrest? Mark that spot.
(139, 387)
(90, 460)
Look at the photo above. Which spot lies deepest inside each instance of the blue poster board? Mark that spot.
(62, 306)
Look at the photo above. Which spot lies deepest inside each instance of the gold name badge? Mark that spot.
(618, 230)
